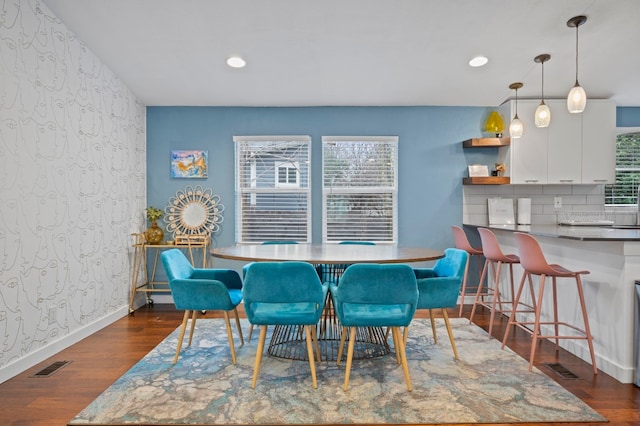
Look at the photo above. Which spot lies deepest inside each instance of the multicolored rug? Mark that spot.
(487, 385)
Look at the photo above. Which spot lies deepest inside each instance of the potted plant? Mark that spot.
(154, 234)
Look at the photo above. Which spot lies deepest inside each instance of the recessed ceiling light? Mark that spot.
(478, 61)
(236, 62)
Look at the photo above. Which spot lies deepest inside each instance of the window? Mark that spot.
(625, 190)
(272, 188)
(359, 189)
(287, 175)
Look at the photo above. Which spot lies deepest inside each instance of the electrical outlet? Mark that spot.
(557, 203)
(52, 314)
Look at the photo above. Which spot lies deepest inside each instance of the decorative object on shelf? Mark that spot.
(542, 116)
(194, 210)
(516, 127)
(154, 234)
(478, 170)
(494, 124)
(577, 98)
(500, 168)
(189, 164)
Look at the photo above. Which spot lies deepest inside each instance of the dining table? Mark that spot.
(330, 260)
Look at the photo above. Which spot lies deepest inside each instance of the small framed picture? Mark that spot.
(189, 164)
(478, 170)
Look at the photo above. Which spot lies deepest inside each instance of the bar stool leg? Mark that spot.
(555, 314)
(496, 294)
(587, 329)
(464, 285)
(516, 301)
(478, 291)
(536, 326)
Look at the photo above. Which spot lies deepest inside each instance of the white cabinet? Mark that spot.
(574, 149)
(565, 144)
(527, 156)
(599, 142)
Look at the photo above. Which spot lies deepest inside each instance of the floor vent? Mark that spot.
(48, 371)
(562, 371)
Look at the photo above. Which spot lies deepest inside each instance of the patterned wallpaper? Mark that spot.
(72, 182)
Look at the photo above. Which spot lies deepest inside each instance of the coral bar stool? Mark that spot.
(496, 258)
(462, 243)
(534, 263)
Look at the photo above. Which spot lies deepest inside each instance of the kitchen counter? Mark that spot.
(583, 233)
(613, 258)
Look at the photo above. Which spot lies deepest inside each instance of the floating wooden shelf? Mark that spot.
(488, 180)
(486, 142)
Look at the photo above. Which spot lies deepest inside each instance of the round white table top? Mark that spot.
(327, 253)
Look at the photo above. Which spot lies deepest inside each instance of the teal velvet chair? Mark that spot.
(245, 268)
(195, 290)
(439, 288)
(285, 294)
(373, 295)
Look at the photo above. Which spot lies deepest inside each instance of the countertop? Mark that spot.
(584, 233)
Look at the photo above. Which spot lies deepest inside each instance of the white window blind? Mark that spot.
(359, 188)
(272, 188)
(625, 190)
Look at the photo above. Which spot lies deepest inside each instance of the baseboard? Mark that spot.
(33, 358)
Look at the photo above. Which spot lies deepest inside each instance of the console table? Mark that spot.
(143, 271)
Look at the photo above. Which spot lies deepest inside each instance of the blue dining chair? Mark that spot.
(375, 295)
(439, 288)
(245, 268)
(287, 294)
(196, 290)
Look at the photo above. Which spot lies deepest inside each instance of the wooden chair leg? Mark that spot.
(312, 362)
(403, 355)
(183, 328)
(256, 365)
(193, 326)
(433, 326)
(250, 332)
(352, 341)
(230, 337)
(235, 313)
(450, 332)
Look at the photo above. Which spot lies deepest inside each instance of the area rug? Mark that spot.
(486, 385)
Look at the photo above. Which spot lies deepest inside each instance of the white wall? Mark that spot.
(72, 187)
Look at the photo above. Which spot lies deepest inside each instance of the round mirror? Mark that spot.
(194, 215)
(194, 211)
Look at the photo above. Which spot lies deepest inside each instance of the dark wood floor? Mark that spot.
(100, 359)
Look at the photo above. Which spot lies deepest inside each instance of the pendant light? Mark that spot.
(543, 114)
(577, 99)
(516, 127)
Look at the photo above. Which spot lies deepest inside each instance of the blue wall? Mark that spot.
(431, 162)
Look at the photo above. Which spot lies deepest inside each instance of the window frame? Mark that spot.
(392, 190)
(247, 188)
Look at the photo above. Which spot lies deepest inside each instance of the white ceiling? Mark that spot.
(359, 52)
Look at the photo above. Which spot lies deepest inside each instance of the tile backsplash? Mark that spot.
(543, 197)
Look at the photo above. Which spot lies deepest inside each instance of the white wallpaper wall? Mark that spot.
(72, 184)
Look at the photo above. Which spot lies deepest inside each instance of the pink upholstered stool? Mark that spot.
(462, 243)
(534, 263)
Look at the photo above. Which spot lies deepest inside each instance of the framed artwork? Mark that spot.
(189, 164)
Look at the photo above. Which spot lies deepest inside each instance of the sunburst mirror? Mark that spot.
(194, 210)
